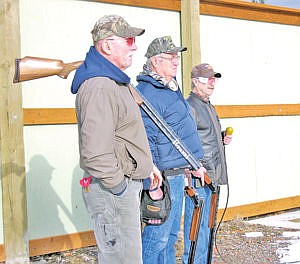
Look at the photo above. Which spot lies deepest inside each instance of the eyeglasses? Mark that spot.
(210, 81)
(171, 59)
(130, 41)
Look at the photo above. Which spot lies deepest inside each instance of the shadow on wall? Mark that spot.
(43, 201)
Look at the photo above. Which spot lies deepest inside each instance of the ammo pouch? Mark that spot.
(156, 209)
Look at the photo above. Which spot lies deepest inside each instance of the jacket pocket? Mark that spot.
(125, 159)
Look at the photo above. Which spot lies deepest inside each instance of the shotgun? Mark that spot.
(212, 222)
(30, 68)
(196, 221)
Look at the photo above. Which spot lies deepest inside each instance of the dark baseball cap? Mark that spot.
(162, 45)
(114, 25)
(204, 70)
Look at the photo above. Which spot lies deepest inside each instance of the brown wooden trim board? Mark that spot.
(84, 239)
(51, 116)
(225, 8)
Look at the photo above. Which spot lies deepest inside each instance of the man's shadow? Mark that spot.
(43, 203)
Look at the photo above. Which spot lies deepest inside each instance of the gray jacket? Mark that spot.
(209, 130)
(112, 137)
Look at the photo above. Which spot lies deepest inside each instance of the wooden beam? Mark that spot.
(53, 116)
(61, 243)
(251, 11)
(260, 208)
(172, 5)
(49, 116)
(190, 38)
(12, 168)
(241, 111)
(225, 8)
(85, 239)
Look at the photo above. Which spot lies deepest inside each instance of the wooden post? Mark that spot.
(190, 38)
(12, 169)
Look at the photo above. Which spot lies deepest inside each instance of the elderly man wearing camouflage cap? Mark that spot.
(158, 84)
(113, 146)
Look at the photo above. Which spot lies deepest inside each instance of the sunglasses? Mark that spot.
(210, 81)
(130, 41)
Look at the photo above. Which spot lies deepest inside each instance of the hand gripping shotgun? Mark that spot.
(30, 68)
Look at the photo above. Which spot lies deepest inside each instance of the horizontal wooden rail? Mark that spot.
(251, 11)
(52, 116)
(241, 111)
(84, 239)
(49, 116)
(260, 208)
(225, 8)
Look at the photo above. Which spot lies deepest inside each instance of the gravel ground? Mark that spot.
(233, 244)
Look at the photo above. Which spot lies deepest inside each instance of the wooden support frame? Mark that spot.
(12, 170)
(190, 38)
(12, 161)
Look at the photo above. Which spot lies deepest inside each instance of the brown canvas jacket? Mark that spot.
(112, 137)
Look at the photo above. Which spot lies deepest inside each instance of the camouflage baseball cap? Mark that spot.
(204, 70)
(114, 25)
(162, 45)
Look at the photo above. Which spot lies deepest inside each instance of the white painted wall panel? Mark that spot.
(259, 61)
(263, 159)
(54, 201)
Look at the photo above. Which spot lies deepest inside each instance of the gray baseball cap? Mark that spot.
(162, 45)
(204, 70)
(114, 25)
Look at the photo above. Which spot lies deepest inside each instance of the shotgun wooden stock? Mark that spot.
(30, 68)
(213, 210)
(196, 221)
(214, 203)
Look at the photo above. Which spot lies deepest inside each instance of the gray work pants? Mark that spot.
(116, 222)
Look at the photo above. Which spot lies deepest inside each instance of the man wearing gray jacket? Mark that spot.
(203, 80)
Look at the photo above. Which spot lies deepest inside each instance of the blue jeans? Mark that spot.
(204, 232)
(159, 241)
(116, 222)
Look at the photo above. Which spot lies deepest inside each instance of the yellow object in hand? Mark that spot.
(228, 131)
